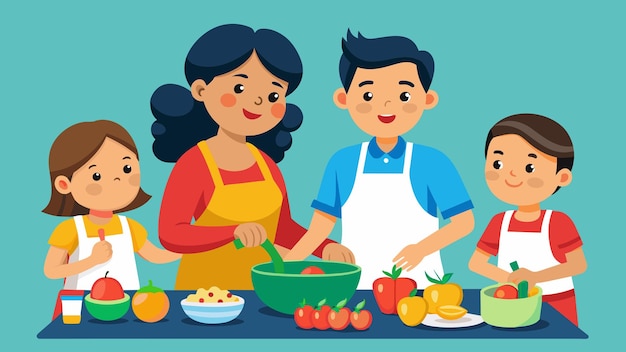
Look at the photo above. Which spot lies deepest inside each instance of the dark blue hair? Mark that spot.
(381, 52)
(181, 121)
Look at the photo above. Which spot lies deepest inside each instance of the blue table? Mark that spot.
(258, 321)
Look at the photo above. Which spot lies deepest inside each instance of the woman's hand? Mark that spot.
(101, 252)
(338, 253)
(251, 234)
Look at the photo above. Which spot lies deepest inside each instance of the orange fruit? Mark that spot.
(150, 304)
(442, 293)
(451, 312)
(412, 309)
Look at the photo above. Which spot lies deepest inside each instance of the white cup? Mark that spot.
(72, 306)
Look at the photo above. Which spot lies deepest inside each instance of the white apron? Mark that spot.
(532, 251)
(121, 266)
(381, 217)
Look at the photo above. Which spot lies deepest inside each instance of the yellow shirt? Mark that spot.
(65, 234)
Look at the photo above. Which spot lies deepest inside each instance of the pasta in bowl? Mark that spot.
(212, 306)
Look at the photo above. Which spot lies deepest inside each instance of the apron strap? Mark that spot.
(361, 165)
(210, 163)
(260, 161)
(125, 225)
(81, 231)
(545, 224)
(506, 221)
(408, 155)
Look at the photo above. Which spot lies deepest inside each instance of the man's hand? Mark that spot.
(409, 257)
(338, 253)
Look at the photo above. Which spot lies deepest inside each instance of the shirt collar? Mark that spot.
(395, 153)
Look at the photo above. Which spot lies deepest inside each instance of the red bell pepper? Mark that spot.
(389, 290)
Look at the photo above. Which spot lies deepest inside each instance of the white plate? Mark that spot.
(468, 319)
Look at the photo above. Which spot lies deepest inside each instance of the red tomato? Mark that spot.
(506, 292)
(339, 320)
(320, 316)
(389, 290)
(361, 319)
(339, 316)
(312, 270)
(303, 316)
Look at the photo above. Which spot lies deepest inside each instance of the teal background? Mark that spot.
(66, 62)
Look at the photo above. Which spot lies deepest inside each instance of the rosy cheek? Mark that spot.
(364, 108)
(228, 100)
(535, 182)
(135, 180)
(409, 108)
(278, 110)
(93, 189)
(491, 175)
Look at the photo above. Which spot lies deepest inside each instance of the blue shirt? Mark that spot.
(435, 181)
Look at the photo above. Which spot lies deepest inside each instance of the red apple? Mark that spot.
(506, 292)
(107, 289)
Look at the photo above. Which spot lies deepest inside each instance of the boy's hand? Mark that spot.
(251, 234)
(409, 257)
(101, 252)
(522, 274)
(338, 253)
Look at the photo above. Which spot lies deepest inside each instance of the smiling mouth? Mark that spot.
(250, 115)
(514, 186)
(386, 118)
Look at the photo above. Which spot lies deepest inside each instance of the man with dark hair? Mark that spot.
(388, 191)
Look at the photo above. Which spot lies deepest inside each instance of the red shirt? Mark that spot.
(187, 194)
(563, 235)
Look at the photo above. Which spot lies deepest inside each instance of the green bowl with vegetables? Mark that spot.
(285, 291)
(283, 286)
(509, 313)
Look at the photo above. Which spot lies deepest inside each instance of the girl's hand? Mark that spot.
(338, 253)
(522, 274)
(101, 252)
(251, 234)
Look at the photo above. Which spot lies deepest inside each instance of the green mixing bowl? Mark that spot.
(107, 310)
(283, 292)
(509, 313)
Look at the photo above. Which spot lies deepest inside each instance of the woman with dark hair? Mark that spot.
(226, 134)
(529, 157)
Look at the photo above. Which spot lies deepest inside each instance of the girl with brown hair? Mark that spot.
(94, 175)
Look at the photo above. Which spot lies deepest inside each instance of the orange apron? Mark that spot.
(227, 267)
